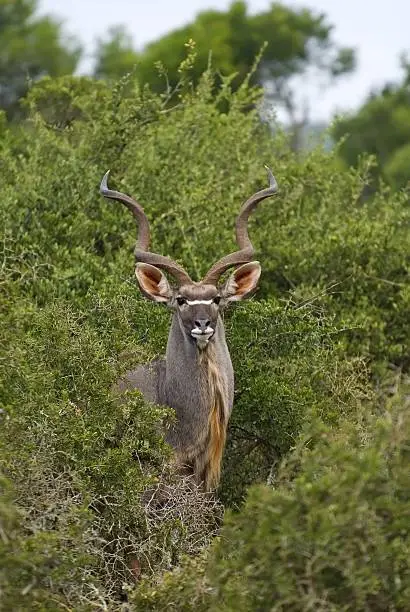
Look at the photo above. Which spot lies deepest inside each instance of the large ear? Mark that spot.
(242, 282)
(153, 283)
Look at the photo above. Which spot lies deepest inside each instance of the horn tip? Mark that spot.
(104, 183)
(272, 181)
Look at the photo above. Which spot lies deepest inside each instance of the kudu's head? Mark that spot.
(196, 304)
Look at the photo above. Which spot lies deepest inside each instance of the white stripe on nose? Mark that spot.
(195, 302)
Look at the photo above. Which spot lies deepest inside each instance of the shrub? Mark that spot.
(332, 534)
(80, 467)
(288, 367)
(327, 246)
(85, 471)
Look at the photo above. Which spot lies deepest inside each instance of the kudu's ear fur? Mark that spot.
(242, 282)
(153, 283)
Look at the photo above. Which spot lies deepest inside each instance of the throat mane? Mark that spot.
(214, 387)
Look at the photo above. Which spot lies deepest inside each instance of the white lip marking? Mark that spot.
(197, 332)
(202, 338)
(195, 302)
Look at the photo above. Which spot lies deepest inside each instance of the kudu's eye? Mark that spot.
(181, 300)
(217, 299)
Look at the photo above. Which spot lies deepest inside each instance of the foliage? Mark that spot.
(85, 470)
(348, 256)
(114, 55)
(381, 127)
(287, 367)
(30, 47)
(332, 534)
(91, 504)
(297, 40)
(336, 536)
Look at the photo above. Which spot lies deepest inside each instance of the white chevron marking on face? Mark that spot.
(195, 302)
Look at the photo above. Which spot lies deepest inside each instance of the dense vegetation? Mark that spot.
(297, 41)
(381, 127)
(31, 46)
(319, 432)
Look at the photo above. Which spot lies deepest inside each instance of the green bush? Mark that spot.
(336, 537)
(84, 469)
(334, 300)
(318, 241)
(331, 534)
(326, 246)
(288, 367)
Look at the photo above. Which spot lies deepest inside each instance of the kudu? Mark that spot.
(196, 377)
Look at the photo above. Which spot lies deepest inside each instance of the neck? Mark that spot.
(199, 385)
(191, 379)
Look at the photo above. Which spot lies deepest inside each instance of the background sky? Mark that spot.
(379, 30)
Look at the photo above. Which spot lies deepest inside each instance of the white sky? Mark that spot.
(379, 29)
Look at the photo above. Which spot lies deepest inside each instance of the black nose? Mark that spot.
(202, 324)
